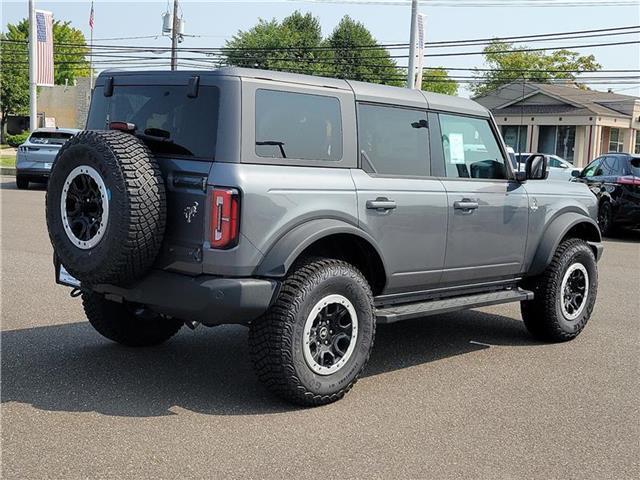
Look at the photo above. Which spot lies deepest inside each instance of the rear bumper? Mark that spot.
(206, 299)
(33, 171)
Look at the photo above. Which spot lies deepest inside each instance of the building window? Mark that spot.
(515, 136)
(615, 140)
(636, 149)
(557, 140)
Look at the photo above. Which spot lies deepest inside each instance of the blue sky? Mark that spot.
(216, 21)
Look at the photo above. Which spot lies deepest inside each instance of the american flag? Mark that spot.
(91, 17)
(44, 48)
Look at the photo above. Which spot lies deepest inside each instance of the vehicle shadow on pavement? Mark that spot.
(71, 368)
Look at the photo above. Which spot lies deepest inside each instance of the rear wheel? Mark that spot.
(313, 343)
(565, 294)
(605, 218)
(22, 182)
(126, 324)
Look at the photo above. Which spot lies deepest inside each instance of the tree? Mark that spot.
(293, 46)
(70, 50)
(296, 45)
(351, 61)
(539, 67)
(437, 80)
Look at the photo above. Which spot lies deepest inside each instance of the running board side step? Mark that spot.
(395, 313)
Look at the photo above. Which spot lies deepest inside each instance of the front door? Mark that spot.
(398, 204)
(488, 213)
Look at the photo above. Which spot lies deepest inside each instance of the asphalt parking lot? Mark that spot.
(464, 395)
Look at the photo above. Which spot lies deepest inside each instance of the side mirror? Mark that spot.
(576, 173)
(536, 167)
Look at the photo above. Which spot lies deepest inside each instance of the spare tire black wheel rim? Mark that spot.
(575, 289)
(330, 334)
(84, 206)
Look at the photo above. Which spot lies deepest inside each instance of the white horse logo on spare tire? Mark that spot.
(191, 211)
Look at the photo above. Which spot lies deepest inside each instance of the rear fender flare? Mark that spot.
(286, 250)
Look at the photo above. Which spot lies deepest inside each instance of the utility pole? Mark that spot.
(33, 65)
(411, 74)
(174, 37)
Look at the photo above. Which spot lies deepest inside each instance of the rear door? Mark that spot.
(488, 212)
(399, 204)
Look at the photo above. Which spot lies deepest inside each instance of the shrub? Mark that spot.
(17, 140)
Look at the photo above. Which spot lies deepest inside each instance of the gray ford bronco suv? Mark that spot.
(308, 209)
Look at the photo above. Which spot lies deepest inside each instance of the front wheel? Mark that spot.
(565, 294)
(314, 341)
(127, 325)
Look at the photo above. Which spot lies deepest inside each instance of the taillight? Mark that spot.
(628, 180)
(225, 220)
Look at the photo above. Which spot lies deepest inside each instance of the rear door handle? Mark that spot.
(381, 203)
(465, 204)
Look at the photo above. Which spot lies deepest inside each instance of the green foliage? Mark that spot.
(17, 140)
(531, 66)
(14, 74)
(306, 52)
(437, 80)
(290, 46)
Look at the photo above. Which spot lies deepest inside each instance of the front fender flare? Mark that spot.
(286, 250)
(553, 235)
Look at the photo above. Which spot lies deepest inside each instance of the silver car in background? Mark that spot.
(35, 157)
(559, 168)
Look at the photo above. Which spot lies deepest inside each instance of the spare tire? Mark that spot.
(106, 207)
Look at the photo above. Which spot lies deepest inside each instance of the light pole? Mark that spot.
(411, 74)
(174, 37)
(33, 65)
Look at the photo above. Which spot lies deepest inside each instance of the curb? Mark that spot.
(8, 171)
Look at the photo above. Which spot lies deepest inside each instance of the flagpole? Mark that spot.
(33, 66)
(91, 52)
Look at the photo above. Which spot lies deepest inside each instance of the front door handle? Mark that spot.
(465, 204)
(381, 204)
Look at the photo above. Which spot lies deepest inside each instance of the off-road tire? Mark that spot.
(543, 316)
(275, 339)
(119, 323)
(137, 207)
(22, 182)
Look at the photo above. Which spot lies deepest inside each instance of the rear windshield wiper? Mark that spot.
(161, 139)
(274, 143)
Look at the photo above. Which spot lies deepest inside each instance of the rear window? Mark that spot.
(298, 125)
(166, 119)
(50, 138)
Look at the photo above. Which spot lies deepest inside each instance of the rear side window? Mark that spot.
(393, 140)
(50, 138)
(298, 125)
(634, 165)
(470, 148)
(169, 121)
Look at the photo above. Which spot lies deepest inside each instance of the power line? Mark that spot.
(576, 34)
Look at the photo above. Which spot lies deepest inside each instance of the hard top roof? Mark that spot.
(369, 92)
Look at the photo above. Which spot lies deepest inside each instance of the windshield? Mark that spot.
(166, 119)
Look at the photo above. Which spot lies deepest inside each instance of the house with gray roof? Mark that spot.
(565, 120)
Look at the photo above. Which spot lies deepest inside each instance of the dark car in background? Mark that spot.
(35, 157)
(615, 180)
